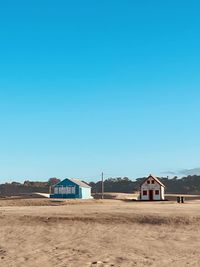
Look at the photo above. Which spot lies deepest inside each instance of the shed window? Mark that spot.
(157, 192)
(145, 193)
(148, 182)
(73, 190)
(152, 182)
(69, 190)
(60, 190)
(64, 190)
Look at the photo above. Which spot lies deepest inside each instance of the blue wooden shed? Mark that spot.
(71, 188)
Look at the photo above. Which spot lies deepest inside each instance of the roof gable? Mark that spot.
(154, 178)
(72, 182)
(79, 182)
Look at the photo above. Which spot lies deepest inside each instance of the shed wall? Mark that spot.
(85, 193)
(66, 189)
(69, 189)
(149, 186)
(162, 193)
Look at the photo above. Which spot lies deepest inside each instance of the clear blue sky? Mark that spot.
(87, 86)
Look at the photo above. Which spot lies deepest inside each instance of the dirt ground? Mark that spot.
(96, 233)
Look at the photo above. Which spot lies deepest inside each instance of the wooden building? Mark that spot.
(152, 189)
(71, 188)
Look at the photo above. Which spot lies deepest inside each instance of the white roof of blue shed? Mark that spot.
(79, 182)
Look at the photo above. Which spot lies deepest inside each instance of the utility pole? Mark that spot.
(102, 186)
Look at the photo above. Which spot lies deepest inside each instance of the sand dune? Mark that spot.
(99, 233)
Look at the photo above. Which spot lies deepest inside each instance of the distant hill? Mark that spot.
(185, 185)
(15, 188)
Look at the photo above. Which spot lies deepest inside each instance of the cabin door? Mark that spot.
(150, 195)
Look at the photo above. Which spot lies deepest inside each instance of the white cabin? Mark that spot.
(152, 189)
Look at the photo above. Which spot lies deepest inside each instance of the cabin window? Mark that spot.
(70, 190)
(148, 182)
(64, 190)
(145, 193)
(73, 190)
(152, 181)
(157, 192)
(60, 190)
